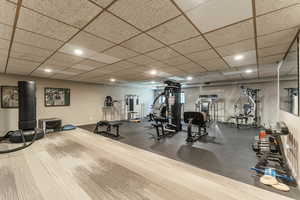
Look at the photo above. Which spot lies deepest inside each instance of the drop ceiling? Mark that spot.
(126, 39)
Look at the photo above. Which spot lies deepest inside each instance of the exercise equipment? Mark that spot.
(133, 108)
(213, 106)
(110, 128)
(112, 109)
(247, 112)
(198, 119)
(50, 124)
(168, 118)
(68, 127)
(270, 153)
(292, 100)
(27, 118)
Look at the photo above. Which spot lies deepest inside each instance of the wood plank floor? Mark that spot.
(80, 165)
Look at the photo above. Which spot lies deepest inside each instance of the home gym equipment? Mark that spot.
(246, 112)
(198, 119)
(292, 100)
(27, 118)
(108, 128)
(213, 106)
(168, 118)
(50, 124)
(112, 109)
(68, 127)
(270, 153)
(133, 108)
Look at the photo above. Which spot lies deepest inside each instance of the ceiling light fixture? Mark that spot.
(248, 71)
(152, 82)
(48, 70)
(112, 80)
(153, 72)
(238, 57)
(78, 52)
(189, 78)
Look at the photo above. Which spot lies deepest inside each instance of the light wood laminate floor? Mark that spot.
(80, 165)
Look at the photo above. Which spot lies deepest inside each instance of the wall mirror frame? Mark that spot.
(289, 79)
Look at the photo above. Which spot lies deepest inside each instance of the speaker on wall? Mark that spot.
(27, 105)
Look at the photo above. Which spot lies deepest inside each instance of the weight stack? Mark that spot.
(27, 105)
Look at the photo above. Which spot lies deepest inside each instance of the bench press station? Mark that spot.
(109, 125)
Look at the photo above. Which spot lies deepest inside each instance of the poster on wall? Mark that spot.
(57, 97)
(9, 97)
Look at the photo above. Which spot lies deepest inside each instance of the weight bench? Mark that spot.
(109, 128)
(166, 128)
(195, 118)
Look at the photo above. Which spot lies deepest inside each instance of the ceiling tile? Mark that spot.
(7, 12)
(60, 76)
(5, 31)
(88, 41)
(191, 45)
(146, 13)
(77, 13)
(94, 73)
(142, 60)
(30, 53)
(102, 3)
(122, 65)
(273, 50)
(249, 58)
(162, 54)
(156, 65)
(264, 6)
(53, 68)
(88, 64)
(279, 20)
(228, 12)
(87, 53)
(4, 45)
(111, 28)
(270, 59)
(62, 59)
(186, 5)
(213, 64)
(3, 58)
(170, 32)
(237, 48)
(281, 37)
(142, 43)
(20, 66)
(191, 68)
(178, 60)
(37, 23)
(120, 52)
(42, 74)
(203, 55)
(231, 34)
(36, 40)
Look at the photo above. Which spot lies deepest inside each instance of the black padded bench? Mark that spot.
(108, 128)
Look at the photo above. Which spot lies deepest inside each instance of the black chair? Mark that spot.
(198, 119)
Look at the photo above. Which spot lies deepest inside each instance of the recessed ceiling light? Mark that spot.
(112, 80)
(48, 70)
(189, 78)
(152, 82)
(238, 57)
(78, 52)
(153, 72)
(248, 71)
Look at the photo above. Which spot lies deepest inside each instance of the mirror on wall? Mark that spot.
(289, 80)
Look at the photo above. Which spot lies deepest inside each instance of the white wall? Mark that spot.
(86, 101)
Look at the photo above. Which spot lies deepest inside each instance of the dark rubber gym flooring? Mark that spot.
(225, 151)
